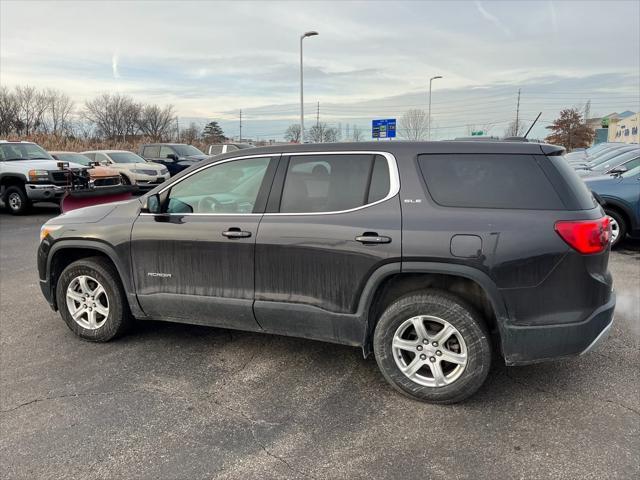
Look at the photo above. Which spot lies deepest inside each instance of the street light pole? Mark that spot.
(429, 116)
(302, 37)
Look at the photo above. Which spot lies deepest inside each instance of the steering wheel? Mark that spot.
(207, 204)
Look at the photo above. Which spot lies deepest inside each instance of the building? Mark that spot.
(624, 127)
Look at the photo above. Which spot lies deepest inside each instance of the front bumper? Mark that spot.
(522, 345)
(145, 182)
(43, 192)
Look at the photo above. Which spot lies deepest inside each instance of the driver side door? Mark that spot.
(194, 261)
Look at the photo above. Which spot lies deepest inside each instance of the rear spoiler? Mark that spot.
(552, 150)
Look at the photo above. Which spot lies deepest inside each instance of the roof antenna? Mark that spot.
(534, 122)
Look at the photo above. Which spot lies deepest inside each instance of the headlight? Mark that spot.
(38, 175)
(164, 171)
(47, 229)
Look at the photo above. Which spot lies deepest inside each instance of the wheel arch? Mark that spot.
(468, 283)
(65, 252)
(622, 209)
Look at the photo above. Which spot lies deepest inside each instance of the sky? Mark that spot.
(371, 59)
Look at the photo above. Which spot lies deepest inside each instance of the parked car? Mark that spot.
(174, 156)
(220, 148)
(133, 169)
(100, 176)
(427, 254)
(627, 159)
(585, 161)
(28, 175)
(605, 157)
(619, 195)
(591, 151)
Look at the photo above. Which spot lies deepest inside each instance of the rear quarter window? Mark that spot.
(488, 181)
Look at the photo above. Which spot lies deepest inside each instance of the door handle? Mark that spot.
(371, 238)
(235, 232)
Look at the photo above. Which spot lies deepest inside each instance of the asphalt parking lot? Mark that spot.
(178, 401)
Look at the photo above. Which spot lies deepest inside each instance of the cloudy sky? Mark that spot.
(371, 59)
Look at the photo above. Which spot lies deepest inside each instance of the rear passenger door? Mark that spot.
(332, 219)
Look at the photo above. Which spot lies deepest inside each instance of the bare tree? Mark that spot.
(114, 116)
(190, 134)
(356, 134)
(59, 111)
(8, 111)
(515, 129)
(31, 107)
(322, 133)
(157, 122)
(413, 124)
(293, 133)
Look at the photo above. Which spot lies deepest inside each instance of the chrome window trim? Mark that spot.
(394, 183)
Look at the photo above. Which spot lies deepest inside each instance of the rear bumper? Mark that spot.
(522, 345)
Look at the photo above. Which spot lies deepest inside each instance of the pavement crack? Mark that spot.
(252, 422)
(56, 397)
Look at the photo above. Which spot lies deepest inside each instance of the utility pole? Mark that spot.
(178, 128)
(318, 116)
(429, 115)
(518, 115)
(240, 126)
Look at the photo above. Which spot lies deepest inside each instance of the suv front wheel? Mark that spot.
(432, 346)
(92, 301)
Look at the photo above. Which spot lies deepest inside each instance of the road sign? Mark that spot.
(477, 133)
(385, 128)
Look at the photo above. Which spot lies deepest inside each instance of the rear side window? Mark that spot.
(151, 152)
(488, 181)
(334, 182)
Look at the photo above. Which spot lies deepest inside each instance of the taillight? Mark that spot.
(586, 236)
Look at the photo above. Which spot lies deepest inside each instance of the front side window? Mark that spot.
(187, 150)
(165, 151)
(334, 182)
(215, 149)
(230, 187)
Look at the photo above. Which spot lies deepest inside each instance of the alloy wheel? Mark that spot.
(87, 302)
(429, 351)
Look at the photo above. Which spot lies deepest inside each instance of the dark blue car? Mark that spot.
(619, 194)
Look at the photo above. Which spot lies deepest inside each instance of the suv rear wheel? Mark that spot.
(432, 346)
(618, 226)
(92, 301)
(16, 200)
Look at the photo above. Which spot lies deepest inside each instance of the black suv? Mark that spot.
(430, 255)
(175, 156)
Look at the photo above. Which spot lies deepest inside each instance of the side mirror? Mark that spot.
(618, 170)
(173, 157)
(152, 205)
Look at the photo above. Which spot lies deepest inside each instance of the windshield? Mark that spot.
(22, 151)
(632, 172)
(125, 157)
(615, 161)
(186, 150)
(591, 151)
(73, 157)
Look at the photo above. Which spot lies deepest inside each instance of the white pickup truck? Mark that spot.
(28, 174)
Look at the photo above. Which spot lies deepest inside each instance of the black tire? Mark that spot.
(118, 319)
(16, 200)
(125, 179)
(458, 314)
(622, 226)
